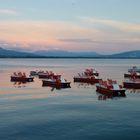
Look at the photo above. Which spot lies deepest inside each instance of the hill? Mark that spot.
(4, 53)
(61, 53)
(129, 54)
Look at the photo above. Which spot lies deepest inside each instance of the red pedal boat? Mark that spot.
(56, 81)
(132, 83)
(110, 87)
(21, 77)
(47, 75)
(132, 73)
(89, 76)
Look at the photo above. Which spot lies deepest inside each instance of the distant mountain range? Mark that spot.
(4, 53)
(129, 54)
(60, 53)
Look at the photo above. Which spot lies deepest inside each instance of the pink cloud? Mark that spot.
(71, 35)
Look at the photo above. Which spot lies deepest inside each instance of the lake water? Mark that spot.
(31, 112)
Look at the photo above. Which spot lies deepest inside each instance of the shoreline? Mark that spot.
(69, 57)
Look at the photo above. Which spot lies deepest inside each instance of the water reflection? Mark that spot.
(52, 88)
(83, 85)
(19, 84)
(133, 91)
(106, 97)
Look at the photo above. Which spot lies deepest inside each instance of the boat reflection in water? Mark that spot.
(19, 84)
(84, 85)
(53, 88)
(136, 91)
(106, 97)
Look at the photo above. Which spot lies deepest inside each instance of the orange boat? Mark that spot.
(56, 81)
(89, 76)
(21, 77)
(110, 87)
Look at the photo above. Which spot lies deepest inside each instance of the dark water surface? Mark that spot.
(32, 112)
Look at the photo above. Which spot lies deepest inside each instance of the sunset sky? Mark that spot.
(104, 26)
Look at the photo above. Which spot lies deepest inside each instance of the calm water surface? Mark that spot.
(32, 112)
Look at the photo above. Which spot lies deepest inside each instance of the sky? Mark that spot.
(103, 26)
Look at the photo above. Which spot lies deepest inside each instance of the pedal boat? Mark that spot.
(47, 75)
(89, 76)
(110, 88)
(56, 81)
(132, 83)
(21, 77)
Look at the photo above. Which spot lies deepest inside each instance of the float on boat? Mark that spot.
(56, 81)
(110, 87)
(132, 82)
(21, 77)
(89, 76)
(47, 75)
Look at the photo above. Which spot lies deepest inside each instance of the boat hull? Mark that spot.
(110, 92)
(126, 75)
(43, 76)
(131, 85)
(22, 79)
(56, 84)
(86, 80)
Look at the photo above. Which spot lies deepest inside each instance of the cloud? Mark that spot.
(103, 42)
(120, 25)
(42, 31)
(77, 40)
(8, 12)
(84, 34)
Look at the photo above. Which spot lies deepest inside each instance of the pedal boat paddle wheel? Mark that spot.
(110, 87)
